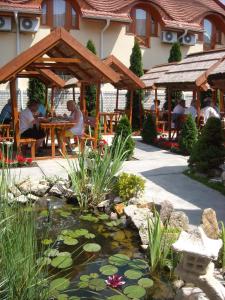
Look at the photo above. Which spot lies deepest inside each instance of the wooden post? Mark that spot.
(117, 99)
(15, 115)
(131, 106)
(222, 101)
(156, 108)
(194, 94)
(169, 111)
(97, 108)
(82, 98)
(74, 94)
(52, 101)
(214, 96)
(46, 97)
(198, 100)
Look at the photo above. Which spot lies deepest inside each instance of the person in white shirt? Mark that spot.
(208, 111)
(192, 110)
(178, 110)
(29, 125)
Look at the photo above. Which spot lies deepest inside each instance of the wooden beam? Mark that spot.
(15, 115)
(65, 60)
(51, 66)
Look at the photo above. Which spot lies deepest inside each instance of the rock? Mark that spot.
(38, 188)
(117, 200)
(11, 198)
(32, 197)
(60, 189)
(178, 284)
(139, 218)
(190, 293)
(178, 219)
(119, 208)
(104, 205)
(113, 216)
(22, 199)
(137, 201)
(166, 211)
(15, 191)
(210, 224)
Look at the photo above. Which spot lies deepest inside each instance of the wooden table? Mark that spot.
(110, 116)
(52, 126)
(5, 129)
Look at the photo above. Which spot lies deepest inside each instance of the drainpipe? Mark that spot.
(184, 34)
(18, 51)
(102, 51)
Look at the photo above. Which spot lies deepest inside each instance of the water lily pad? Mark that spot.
(47, 242)
(114, 223)
(133, 274)
(108, 270)
(67, 232)
(138, 264)
(62, 297)
(145, 282)
(134, 291)
(97, 284)
(84, 277)
(119, 259)
(59, 284)
(92, 247)
(70, 241)
(89, 218)
(119, 236)
(103, 217)
(93, 275)
(65, 214)
(80, 232)
(89, 236)
(43, 261)
(83, 284)
(62, 262)
(117, 297)
(74, 298)
(51, 252)
(64, 254)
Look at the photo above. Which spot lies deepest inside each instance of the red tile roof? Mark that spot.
(174, 13)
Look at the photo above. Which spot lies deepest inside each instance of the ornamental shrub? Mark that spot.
(189, 135)
(123, 129)
(36, 90)
(130, 185)
(209, 151)
(149, 132)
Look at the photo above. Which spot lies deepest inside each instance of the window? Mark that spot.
(59, 13)
(143, 26)
(212, 34)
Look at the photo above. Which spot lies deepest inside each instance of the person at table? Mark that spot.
(178, 111)
(152, 108)
(208, 111)
(29, 124)
(192, 109)
(6, 113)
(77, 118)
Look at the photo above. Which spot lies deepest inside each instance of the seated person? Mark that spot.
(192, 109)
(152, 108)
(6, 113)
(29, 125)
(208, 111)
(178, 110)
(76, 116)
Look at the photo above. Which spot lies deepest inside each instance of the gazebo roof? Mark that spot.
(128, 80)
(152, 76)
(217, 77)
(192, 71)
(59, 52)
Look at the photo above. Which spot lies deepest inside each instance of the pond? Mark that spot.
(83, 250)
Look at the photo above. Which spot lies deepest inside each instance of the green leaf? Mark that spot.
(80, 232)
(103, 217)
(47, 242)
(44, 213)
(145, 282)
(89, 218)
(62, 297)
(89, 236)
(70, 241)
(51, 252)
(92, 247)
(117, 297)
(62, 262)
(119, 259)
(65, 214)
(134, 291)
(83, 284)
(74, 298)
(97, 284)
(108, 270)
(94, 275)
(133, 274)
(59, 284)
(84, 277)
(43, 261)
(138, 264)
(64, 254)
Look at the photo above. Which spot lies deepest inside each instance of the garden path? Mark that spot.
(163, 172)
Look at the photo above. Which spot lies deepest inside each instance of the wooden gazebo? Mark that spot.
(190, 75)
(57, 53)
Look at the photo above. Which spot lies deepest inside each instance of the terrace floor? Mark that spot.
(163, 172)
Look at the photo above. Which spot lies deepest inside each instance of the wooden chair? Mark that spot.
(25, 142)
(89, 131)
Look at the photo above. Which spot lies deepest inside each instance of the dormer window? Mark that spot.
(144, 25)
(59, 13)
(212, 34)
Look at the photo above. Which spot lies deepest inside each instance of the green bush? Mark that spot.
(123, 130)
(130, 185)
(149, 132)
(209, 151)
(189, 135)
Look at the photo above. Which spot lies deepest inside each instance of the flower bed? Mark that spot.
(18, 161)
(163, 143)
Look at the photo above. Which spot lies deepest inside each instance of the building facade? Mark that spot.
(114, 25)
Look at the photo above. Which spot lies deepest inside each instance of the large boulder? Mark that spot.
(210, 223)
(178, 219)
(166, 211)
(35, 187)
(60, 189)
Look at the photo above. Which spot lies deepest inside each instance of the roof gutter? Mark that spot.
(124, 20)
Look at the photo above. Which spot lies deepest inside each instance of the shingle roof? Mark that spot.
(32, 6)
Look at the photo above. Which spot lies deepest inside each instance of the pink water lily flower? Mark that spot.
(115, 281)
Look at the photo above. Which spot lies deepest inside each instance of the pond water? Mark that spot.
(94, 248)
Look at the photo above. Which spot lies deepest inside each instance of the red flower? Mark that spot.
(21, 159)
(29, 160)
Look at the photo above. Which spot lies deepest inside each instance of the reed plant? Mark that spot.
(21, 277)
(223, 247)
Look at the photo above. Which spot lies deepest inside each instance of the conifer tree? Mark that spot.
(36, 90)
(136, 66)
(90, 91)
(149, 132)
(189, 135)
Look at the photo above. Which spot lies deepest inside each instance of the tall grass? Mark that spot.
(223, 247)
(21, 278)
(161, 239)
(91, 185)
